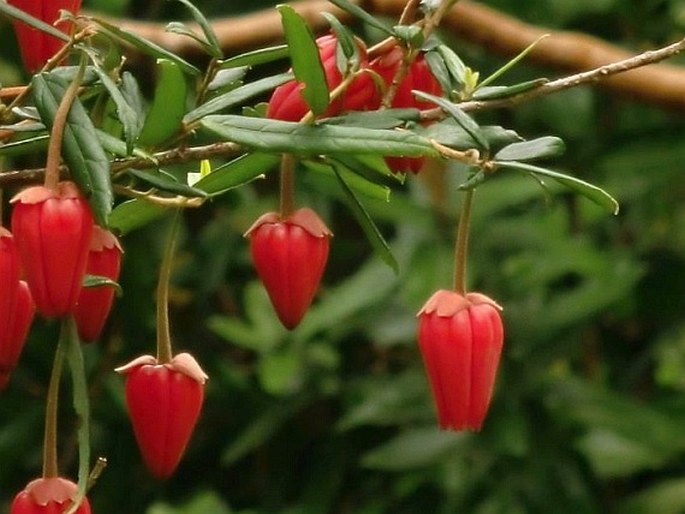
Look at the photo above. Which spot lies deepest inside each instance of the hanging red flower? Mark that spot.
(164, 403)
(52, 230)
(94, 303)
(460, 338)
(290, 257)
(48, 496)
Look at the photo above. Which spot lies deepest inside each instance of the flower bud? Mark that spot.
(94, 303)
(460, 338)
(52, 230)
(290, 257)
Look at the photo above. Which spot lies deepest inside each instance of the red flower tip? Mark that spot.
(290, 257)
(47, 496)
(164, 403)
(461, 338)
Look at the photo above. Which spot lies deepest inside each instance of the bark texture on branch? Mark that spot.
(499, 33)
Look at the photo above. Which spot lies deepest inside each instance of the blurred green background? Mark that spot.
(336, 417)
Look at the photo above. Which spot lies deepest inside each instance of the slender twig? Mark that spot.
(287, 185)
(50, 468)
(586, 77)
(164, 351)
(462, 243)
(52, 172)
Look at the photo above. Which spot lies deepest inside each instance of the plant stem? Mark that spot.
(57, 132)
(164, 352)
(50, 468)
(462, 244)
(287, 185)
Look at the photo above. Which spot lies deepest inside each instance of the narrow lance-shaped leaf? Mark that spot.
(128, 117)
(237, 96)
(168, 105)
(282, 136)
(81, 148)
(206, 27)
(362, 216)
(360, 13)
(540, 148)
(304, 56)
(133, 214)
(590, 191)
(463, 119)
(165, 182)
(20, 15)
(142, 44)
(237, 172)
(79, 382)
(255, 57)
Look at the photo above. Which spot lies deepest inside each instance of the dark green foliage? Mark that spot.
(336, 417)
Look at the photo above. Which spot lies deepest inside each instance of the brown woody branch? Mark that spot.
(571, 52)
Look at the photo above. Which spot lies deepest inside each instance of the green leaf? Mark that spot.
(282, 136)
(438, 68)
(168, 106)
(455, 66)
(208, 31)
(79, 381)
(237, 172)
(166, 182)
(133, 214)
(362, 216)
(540, 148)
(345, 39)
(412, 35)
(145, 46)
(262, 428)
(415, 448)
(364, 16)
(357, 183)
(304, 56)
(25, 146)
(20, 15)
(128, 116)
(230, 77)
(449, 133)
(463, 119)
(384, 119)
(100, 281)
(664, 497)
(501, 71)
(81, 148)
(493, 92)
(180, 28)
(237, 96)
(256, 57)
(590, 191)
(117, 147)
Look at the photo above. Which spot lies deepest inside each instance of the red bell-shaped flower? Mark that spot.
(48, 496)
(14, 336)
(287, 104)
(290, 257)
(37, 46)
(94, 303)
(164, 403)
(419, 77)
(461, 338)
(52, 230)
(16, 307)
